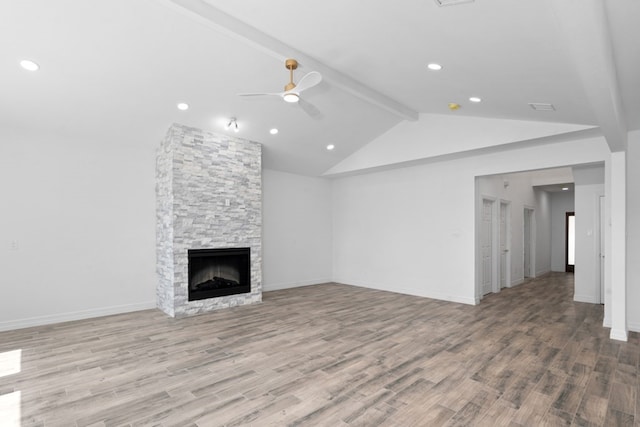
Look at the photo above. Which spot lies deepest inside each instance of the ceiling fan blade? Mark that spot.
(310, 109)
(260, 94)
(308, 81)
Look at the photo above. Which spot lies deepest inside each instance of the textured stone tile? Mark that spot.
(208, 196)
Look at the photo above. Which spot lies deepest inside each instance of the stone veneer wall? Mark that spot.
(208, 196)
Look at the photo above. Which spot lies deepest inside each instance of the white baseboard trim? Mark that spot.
(619, 334)
(607, 323)
(586, 298)
(76, 315)
(634, 327)
(516, 282)
(277, 286)
(414, 292)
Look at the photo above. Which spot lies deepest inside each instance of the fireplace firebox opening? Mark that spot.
(218, 272)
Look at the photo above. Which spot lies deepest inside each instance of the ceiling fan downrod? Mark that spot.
(290, 64)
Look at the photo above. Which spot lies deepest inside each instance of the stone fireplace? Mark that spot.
(208, 204)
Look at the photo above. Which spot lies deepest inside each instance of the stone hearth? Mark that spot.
(208, 196)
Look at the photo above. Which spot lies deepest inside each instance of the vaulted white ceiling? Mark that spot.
(113, 71)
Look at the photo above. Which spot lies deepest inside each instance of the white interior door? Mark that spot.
(527, 243)
(504, 245)
(486, 245)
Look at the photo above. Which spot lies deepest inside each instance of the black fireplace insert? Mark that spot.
(219, 272)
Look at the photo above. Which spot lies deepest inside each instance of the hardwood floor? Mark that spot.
(331, 355)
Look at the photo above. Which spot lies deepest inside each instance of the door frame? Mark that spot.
(495, 283)
(531, 211)
(601, 242)
(507, 269)
(567, 267)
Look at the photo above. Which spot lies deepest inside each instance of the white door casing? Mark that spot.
(601, 223)
(486, 246)
(528, 243)
(505, 255)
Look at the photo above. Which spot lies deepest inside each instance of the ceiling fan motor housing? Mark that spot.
(291, 64)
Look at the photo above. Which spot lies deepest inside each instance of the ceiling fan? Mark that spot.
(292, 91)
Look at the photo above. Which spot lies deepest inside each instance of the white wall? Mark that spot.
(589, 186)
(633, 232)
(297, 230)
(77, 229)
(406, 231)
(446, 134)
(543, 232)
(561, 203)
(77, 232)
(412, 230)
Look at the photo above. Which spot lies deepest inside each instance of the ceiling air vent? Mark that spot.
(542, 107)
(452, 2)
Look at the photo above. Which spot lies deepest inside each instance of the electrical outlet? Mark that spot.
(14, 245)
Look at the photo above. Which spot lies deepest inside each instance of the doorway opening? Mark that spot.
(570, 242)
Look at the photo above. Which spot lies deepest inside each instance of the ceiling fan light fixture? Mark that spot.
(290, 97)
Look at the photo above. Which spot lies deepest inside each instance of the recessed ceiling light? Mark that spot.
(475, 99)
(29, 65)
(183, 106)
(565, 188)
(330, 147)
(273, 131)
(434, 67)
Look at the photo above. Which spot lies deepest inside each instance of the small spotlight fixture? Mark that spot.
(291, 97)
(183, 106)
(434, 67)
(330, 147)
(233, 125)
(29, 65)
(273, 131)
(565, 188)
(475, 99)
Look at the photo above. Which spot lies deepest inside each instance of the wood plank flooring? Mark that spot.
(331, 355)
